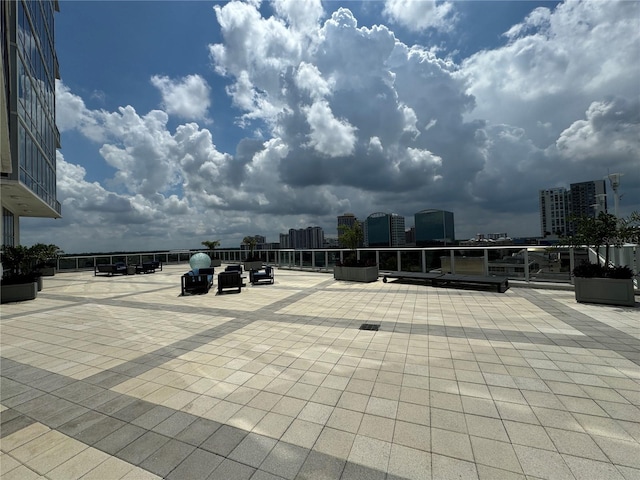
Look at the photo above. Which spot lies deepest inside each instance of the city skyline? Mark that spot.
(260, 117)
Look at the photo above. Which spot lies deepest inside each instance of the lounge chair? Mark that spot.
(234, 268)
(197, 281)
(231, 279)
(111, 269)
(264, 275)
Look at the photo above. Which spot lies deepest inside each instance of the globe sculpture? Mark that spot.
(199, 260)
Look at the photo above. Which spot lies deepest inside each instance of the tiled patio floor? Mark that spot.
(122, 378)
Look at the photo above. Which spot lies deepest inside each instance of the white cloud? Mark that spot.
(555, 64)
(329, 135)
(188, 97)
(352, 119)
(609, 135)
(419, 15)
(72, 113)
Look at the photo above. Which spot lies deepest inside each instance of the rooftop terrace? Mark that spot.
(120, 377)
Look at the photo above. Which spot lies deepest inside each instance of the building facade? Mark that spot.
(558, 205)
(284, 240)
(588, 198)
(28, 134)
(555, 209)
(434, 227)
(384, 230)
(310, 237)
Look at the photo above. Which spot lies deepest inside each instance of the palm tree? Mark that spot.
(251, 243)
(211, 245)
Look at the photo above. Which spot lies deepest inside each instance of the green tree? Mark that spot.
(351, 237)
(605, 230)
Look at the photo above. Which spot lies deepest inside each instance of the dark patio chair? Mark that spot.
(197, 281)
(231, 279)
(265, 275)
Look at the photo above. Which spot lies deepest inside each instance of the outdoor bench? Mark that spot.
(478, 282)
(111, 269)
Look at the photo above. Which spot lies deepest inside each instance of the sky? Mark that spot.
(188, 121)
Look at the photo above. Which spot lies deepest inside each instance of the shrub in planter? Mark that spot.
(19, 279)
(352, 269)
(603, 283)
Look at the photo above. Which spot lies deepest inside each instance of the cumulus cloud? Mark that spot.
(609, 134)
(188, 97)
(418, 15)
(353, 119)
(555, 64)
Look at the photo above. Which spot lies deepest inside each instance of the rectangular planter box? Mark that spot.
(216, 262)
(19, 292)
(47, 271)
(608, 291)
(356, 274)
(248, 266)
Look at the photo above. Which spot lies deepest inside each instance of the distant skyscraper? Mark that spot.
(558, 205)
(554, 211)
(384, 230)
(284, 240)
(310, 237)
(410, 236)
(28, 134)
(348, 219)
(585, 196)
(434, 227)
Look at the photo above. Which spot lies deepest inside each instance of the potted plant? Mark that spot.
(252, 262)
(46, 257)
(19, 279)
(601, 282)
(350, 268)
(211, 245)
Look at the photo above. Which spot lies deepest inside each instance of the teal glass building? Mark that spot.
(434, 227)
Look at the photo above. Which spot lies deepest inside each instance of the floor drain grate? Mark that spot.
(369, 326)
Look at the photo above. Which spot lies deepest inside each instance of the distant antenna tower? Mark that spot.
(599, 206)
(614, 180)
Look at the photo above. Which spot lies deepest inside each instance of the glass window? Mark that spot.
(8, 232)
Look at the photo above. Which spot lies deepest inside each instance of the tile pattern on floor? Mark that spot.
(122, 378)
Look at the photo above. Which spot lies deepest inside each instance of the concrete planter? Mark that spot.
(216, 262)
(248, 266)
(356, 274)
(608, 291)
(19, 292)
(47, 271)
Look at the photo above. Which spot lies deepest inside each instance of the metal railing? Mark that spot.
(528, 263)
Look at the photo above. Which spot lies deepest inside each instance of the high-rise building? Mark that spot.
(310, 237)
(558, 205)
(588, 198)
(554, 211)
(434, 227)
(348, 219)
(384, 230)
(410, 236)
(284, 240)
(28, 134)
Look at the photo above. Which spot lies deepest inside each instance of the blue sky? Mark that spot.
(189, 121)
